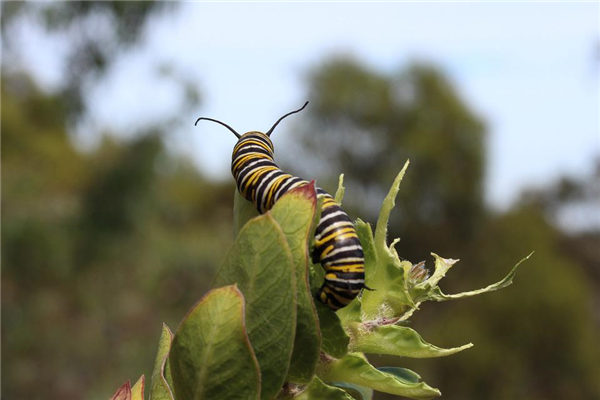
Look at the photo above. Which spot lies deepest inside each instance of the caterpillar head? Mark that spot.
(267, 134)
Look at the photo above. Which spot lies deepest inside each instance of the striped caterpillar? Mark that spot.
(336, 244)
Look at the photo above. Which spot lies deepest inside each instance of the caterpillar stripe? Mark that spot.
(336, 246)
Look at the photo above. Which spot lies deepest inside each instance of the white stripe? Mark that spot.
(266, 192)
(278, 192)
(351, 281)
(345, 248)
(250, 153)
(250, 165)
(242, 183)
(296, 184)
(334, 214)
(349, 259)
(251, 146)
(264, 179)
(332, 227)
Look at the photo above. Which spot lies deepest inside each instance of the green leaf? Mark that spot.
(334, 338)
(350, 313)
(317, 275)
(159, 387)
(354, 368)
(428, 289)
(318, 390)
(357, 392)
(384, 272)
(386, 275)
(243, 211)
(295, 213)
(365, 235)
(211, 356)
(404, 374)
(339, 193)
(395, 340)
(137, 391)
(386, 209)
(260, 262)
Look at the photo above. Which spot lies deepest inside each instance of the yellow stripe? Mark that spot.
(348, 268)
(248, 157)
(339, 298)
(326, 251)
(254, 178)
(250, 141)
(348, 236)
(329, 203)
(341, 225)
(335, 233)
(250, 178)
(275, 187)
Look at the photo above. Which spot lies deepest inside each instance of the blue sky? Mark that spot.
(529, 69)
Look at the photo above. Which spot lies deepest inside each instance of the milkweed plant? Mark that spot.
(259, 333)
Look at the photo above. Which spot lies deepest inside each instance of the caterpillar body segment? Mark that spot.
(336, 245)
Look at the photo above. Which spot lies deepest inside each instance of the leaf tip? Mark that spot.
(307, 191)
(123, 392)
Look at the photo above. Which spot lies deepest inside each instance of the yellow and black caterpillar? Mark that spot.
(336, 244)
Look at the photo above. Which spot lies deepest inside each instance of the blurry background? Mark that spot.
(116, 210)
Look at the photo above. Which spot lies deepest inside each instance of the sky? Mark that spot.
(530, 70)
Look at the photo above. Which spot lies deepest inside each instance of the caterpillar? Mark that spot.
(336, 245)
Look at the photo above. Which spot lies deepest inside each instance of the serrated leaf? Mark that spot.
(354, 368)
(295, 213)
(211, 356)
(159, 387)
(339, 193)
(384, 272)
(386, 209)
(243, 211)
(318, 390)
(428, 289)
(137, 391)
(260, 262)
(397, 341)
(334, 338)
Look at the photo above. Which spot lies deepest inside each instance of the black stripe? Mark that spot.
(348, 275)
(349, 253)
(241, 174)
(251, 148)
(330, 297)
(260, 138)
(345, 286)
(261, 187)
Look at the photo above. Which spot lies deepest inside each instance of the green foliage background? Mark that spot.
(100, 247)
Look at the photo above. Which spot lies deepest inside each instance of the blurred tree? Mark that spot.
(536, 342)
(98, 250)
(366, 124)
(97, 30)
